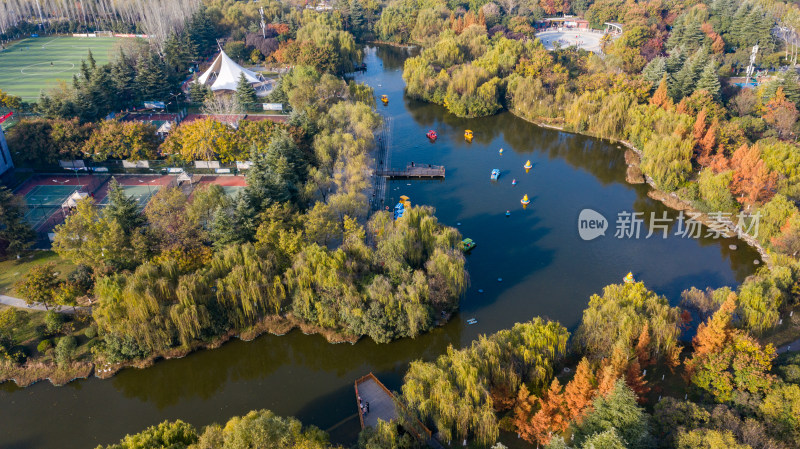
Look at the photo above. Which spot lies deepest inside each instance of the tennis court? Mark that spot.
(140, 187)
(230, 184)
(43, 201)
(141, 194)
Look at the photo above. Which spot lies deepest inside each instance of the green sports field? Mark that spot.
(31, 65)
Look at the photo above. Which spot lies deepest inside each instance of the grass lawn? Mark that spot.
(31, 320)
(13, 270)
(29, 66)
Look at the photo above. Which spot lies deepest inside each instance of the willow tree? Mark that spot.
(455, 393)
(620, 315)
(248, 287)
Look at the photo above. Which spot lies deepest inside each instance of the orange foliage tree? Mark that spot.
(780, 113)
(551, 416)
(580, 392)
(643, 345)
(660, 97)
(751, 177)
(612, 369)
(699, 128)
(726, 359)
(707, 144)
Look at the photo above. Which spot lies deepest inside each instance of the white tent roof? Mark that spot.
(227, 74)
(73, 199)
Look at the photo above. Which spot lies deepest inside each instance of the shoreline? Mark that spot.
(33, 372)
(390, 44)
(671, 200)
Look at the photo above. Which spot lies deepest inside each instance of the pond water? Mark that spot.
(546, 270)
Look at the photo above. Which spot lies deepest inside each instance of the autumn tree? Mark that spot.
(580, 391)
(524, 410)
(780, 113)
(699, 128)
(643, 345)
(660, 97)
(726, 359)
(708, 143)
(612, 369)
(551, 416)
(206, 140)
(752, 180)
(123, 140)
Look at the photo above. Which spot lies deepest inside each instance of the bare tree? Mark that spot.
(221, 104)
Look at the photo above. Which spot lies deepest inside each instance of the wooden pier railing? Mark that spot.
(416, 427)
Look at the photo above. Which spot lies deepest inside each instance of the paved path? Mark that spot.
(785, 348)
(20, 303)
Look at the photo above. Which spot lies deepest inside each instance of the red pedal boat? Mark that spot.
(432, 135)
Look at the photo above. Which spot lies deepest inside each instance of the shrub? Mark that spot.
(90, 332)
(65, 349)
(53, 322)
(43, 346)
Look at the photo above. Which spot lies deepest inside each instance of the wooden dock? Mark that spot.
(382, 405)
(415, 171)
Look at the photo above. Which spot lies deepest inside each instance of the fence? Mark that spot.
(148, 167)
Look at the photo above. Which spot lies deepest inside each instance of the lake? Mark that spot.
(546, 270)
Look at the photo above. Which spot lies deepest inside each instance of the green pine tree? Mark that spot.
(199, 93)
(686, 78)
(655, 70)
(222, 230)
(15, 233)
(151, 79)
(244, 218)
(202, 33)
(92, 62)
(123, 76)
(356, 18)
(123, 208)
(618, 410)
(245, 94)
(709, 81)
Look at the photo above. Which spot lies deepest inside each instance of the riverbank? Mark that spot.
(390, 44)
(635, 175)
(35, 371)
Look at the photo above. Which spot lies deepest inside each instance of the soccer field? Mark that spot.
(35, 64)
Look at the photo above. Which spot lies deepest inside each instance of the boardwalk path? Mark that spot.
(382, 406)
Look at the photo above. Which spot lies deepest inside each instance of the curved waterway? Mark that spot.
(546, 269)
